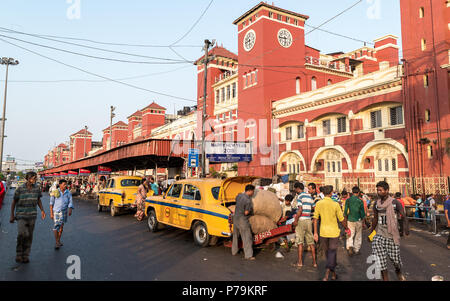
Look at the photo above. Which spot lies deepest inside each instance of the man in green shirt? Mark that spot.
(354, 214)
(23, 209)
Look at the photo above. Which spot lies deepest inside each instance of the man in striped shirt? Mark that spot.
(23, 209)
(303, 224)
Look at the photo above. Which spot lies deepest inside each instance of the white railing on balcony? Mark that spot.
(225, 75)
(327, 64)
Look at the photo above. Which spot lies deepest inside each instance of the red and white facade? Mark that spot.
(80, 144)
(329, 117)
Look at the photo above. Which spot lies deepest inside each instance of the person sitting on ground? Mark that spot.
(286, 206)
(419, 206)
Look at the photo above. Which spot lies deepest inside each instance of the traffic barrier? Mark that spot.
(431, 216)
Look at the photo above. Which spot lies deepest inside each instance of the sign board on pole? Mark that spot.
(193, 157)
(84, 172)
(102, 170)
(228, 152)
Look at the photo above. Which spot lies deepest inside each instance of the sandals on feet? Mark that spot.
(334, 276)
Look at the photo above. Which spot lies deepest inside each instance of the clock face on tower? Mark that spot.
(249, 40)
(284, 38)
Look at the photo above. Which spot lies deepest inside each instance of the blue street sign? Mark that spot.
(193, 157)
(229, 158)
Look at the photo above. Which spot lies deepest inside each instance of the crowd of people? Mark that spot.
(77, 187)
(321, 216)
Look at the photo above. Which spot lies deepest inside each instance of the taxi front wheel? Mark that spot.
(201, 235)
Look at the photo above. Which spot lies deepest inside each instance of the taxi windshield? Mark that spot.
(130, 182)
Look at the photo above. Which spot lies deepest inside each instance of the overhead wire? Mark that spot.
(90, 47)
(96, 57)
(116, 44)
(95, 74)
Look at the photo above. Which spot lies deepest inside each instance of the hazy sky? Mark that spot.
(43, 114)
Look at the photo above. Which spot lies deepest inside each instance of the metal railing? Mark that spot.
(327, 64)
(430, 216)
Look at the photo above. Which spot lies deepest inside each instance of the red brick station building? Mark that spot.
(343, 118)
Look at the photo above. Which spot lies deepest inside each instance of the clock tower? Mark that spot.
(271, 59)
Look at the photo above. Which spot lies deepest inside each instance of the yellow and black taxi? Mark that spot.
(119, 193)
(200, 205)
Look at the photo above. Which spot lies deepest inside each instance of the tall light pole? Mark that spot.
(208, 43)
(110, 125)
(85, 136)
(5, 61)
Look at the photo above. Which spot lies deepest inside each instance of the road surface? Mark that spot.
(121, 248)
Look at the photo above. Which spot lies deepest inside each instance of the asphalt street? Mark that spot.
(121, 248)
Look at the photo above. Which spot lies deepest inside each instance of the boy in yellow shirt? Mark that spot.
(329, 213)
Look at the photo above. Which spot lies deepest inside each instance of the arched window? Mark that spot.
(330, 82)
(421, 12)
(430, 151)
(313, 83)
(424, 44)
(427, 115)
(297, 85)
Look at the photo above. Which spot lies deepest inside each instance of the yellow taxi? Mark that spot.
(119, 193)
(200, 205)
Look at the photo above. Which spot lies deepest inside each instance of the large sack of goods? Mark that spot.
(266, 203)
(261, 223)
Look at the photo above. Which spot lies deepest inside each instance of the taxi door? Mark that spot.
(190, 204)
(168, 213)
(103, 194)
(108, 195)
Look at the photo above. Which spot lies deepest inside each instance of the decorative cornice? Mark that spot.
(328, 70)
(364, 91)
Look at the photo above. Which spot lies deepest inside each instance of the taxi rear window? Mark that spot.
(215, 192)
(130, 182)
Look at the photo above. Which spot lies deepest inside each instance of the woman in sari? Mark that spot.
(140, 199)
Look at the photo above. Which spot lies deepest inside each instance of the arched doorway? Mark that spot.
(290, 163)
(332, 162)
(387, 161)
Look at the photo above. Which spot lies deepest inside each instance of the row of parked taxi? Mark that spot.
(200, 205)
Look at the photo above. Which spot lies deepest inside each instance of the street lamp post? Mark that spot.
(5, 61)
(208, 44)
(110, 125)
(85, 136)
